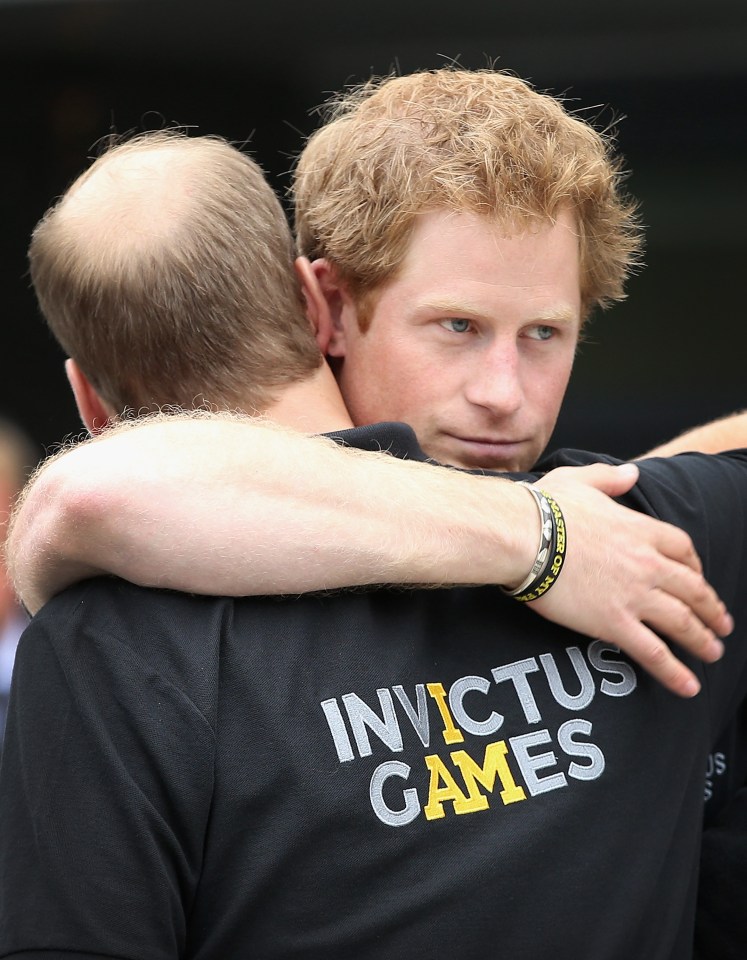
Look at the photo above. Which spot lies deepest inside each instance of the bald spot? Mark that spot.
(131, 201)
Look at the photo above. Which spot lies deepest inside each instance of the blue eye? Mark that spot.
(456, 325)
(542, 332)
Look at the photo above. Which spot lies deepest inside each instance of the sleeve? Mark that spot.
(706, 495)
(105, 787)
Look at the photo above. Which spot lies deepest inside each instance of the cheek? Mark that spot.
(405, 392)
(417, 394)
(557, 374)
(391, 364)
(544, 386)
(374, 383)
(551, 394)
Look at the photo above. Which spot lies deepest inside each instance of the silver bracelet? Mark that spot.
(546, 541)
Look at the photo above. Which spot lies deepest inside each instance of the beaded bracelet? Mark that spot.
(550, 554)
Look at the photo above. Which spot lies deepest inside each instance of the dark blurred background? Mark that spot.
(672, 75)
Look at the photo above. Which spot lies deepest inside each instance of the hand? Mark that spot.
(627, 575)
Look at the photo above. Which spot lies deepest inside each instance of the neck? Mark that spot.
(314, 405)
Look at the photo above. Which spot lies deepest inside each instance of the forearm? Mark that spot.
(219, 505)
(728, 433)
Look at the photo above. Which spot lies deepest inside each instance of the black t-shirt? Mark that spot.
(381, 773)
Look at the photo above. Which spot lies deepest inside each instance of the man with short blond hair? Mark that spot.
(408, 173)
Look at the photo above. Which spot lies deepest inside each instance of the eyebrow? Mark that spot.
(559, 314)
(562, 314)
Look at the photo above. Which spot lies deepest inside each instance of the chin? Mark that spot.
(495, 463)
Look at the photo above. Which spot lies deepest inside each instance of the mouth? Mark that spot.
(494, 453)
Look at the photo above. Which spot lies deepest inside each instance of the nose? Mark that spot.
(494, 381)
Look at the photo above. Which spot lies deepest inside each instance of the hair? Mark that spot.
(479, 141)
(166, 272)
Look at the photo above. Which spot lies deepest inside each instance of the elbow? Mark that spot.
(54, 520)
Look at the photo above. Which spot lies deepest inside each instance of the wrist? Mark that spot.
(501, 532)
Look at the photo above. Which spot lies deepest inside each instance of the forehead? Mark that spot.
(455, 257)
(489, 237)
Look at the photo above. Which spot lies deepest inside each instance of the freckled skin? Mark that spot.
(472, 343)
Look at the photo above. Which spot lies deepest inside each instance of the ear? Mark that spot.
(317, 308)
(328, 304)
(94, 413)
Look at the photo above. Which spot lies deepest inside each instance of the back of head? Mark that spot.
(483, 142)
(166, 273)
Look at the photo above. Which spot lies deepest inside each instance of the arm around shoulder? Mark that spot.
(727, 433)
(227, 505)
